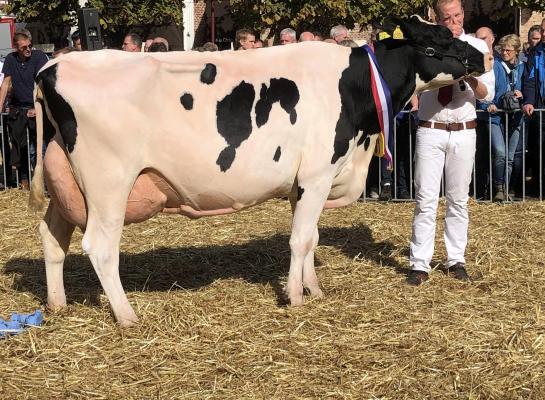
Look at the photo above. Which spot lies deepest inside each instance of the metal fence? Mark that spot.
(528, 187)
(402, 176)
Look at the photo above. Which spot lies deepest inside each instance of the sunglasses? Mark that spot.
(25, 48)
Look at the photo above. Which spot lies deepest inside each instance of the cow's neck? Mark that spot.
(395, 60)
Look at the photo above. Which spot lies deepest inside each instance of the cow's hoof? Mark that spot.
(127, 323)
(296, 299)
(55, 307)
(316, 292)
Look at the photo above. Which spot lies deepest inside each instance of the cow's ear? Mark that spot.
(388, 25)
(412, 28)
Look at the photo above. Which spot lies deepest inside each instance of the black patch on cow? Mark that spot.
(367, 143)
(277, 154)
(358, 110)
(187, 101)
(60, 110)
(300, 192)
(234, 121)
(360, 140)
(280, 90)
(208, 74)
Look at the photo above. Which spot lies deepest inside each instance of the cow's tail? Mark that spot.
(36, 200)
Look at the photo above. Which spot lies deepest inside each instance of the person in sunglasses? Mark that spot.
(20, 68)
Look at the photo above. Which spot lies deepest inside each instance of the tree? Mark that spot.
(115, 14)
(317, 15)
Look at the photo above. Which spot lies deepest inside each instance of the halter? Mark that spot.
(431, 52)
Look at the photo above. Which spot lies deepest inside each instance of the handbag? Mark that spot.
(509, 102)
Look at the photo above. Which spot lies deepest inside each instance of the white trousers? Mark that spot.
(454, 152)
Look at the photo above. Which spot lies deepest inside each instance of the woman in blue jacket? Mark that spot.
(506, 132)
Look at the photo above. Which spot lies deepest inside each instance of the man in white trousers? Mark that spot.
(445, 140)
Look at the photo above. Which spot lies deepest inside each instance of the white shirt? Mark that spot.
(462, 106)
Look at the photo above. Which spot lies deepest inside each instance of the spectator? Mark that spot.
(543, 30)
(147, 44)
(533, 90)
(306, 36)
(445, 141)
(157, 47)
(76, 40)
(287, 36)
(348, 43)
(481, 180)
(406, 124)
(258, 44)
(62, 51)
(160, 39)
(132, 43)
(486, 34)
(244, 39)
(339, 33)
(534, 35)
(209, 46)
(508, 74)
(318, 36)
(20, 68)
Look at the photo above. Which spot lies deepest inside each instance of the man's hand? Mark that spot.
(31, 113)
(414, 103)
(517, 93)
(492, 108)
(528, 109)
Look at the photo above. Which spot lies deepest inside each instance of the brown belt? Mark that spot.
(452, 126)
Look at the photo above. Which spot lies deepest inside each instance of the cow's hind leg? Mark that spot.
(310, 280)
(56, 233)
(311, 197)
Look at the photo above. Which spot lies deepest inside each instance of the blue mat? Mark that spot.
(19, 322)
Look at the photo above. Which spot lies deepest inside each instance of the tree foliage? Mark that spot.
(319, 14)
(258, 14)
(115, 14)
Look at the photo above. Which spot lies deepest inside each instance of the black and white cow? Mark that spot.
(213, 133)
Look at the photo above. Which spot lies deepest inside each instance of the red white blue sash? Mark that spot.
(383, 104)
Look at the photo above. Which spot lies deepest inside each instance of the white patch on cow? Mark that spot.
(441, 79)
(422, 19)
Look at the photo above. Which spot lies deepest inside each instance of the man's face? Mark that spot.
(77, 44)
(451, 15)
(286, 39)
(487, 36)
(128, 45)
(543, 33)
(534, 38)
(341, 36)
(248, 42)
(24, 48)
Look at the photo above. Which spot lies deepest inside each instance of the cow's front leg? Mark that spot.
(310, 280)
(309, 201)
(56, 233)
(101, 243)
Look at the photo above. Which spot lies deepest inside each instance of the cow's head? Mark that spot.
(439, 59)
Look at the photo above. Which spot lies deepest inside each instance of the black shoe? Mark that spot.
(404, 195)
(386, 193)
(416, 278)
(459, 272)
